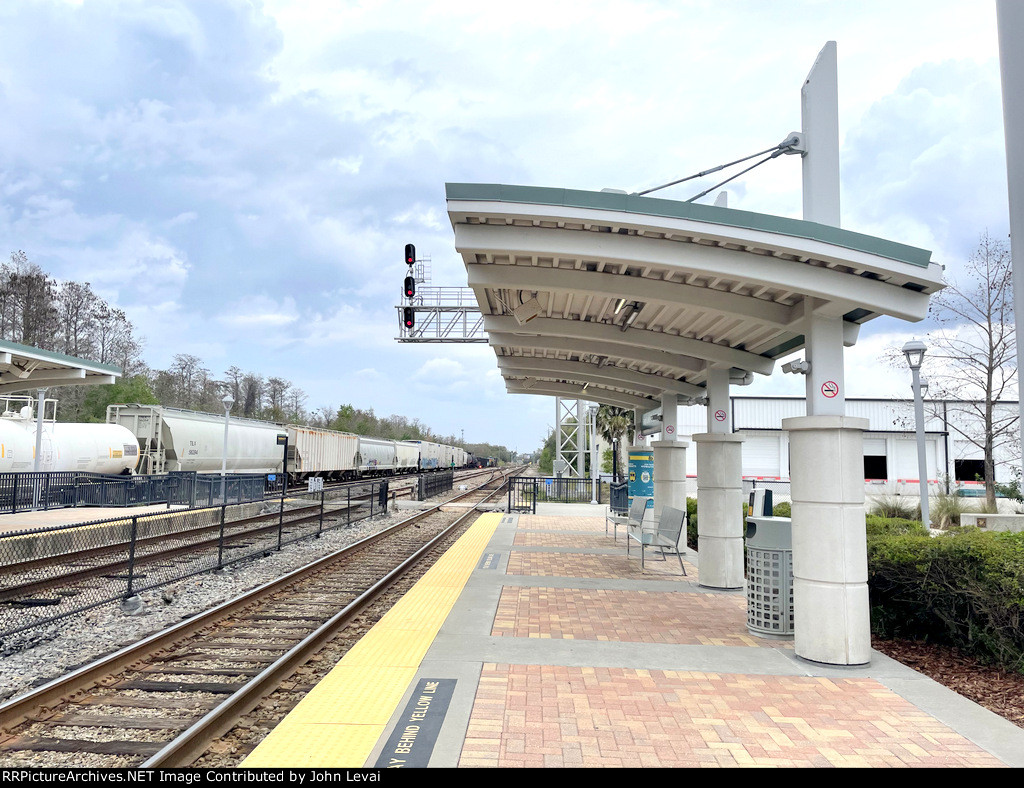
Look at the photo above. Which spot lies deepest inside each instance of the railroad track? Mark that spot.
(46, 588)
(158, 703)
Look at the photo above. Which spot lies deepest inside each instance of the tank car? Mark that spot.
(96, 448)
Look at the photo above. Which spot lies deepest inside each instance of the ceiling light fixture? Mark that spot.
(634, 310)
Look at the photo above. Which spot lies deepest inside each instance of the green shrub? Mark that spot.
(964, 588)
(783, 509)
(691, 523)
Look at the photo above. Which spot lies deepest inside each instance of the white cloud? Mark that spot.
(259, 314)
(241, 177)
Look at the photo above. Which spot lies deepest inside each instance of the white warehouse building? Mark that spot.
(890, 444)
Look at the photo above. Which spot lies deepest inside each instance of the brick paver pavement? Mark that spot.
(631, 616)
(552, 716)
(597, 566)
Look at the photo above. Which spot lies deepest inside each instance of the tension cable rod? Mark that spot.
(792, 144)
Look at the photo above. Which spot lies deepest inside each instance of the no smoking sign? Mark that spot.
(719, 415)
(830, 389)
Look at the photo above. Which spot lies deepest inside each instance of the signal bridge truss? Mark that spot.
(442, 314)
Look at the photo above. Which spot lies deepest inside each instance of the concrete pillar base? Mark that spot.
(719, 510)
(831, 617)
(669, 475)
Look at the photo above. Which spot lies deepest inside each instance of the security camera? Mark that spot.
(800, 367)
(526, 312)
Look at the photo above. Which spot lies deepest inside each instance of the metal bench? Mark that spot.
(665, 535)
(635, 516)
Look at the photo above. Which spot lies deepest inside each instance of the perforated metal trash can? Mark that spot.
(769, 576)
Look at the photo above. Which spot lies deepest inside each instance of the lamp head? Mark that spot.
(914, 350)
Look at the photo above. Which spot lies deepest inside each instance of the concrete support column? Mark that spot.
(669, 416)
(831, 620)
(825, 382)
(720, 512)
(669, 475)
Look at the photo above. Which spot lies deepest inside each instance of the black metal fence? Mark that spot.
(112, 560)
(431, 484)
(525, 492)
(65, 489)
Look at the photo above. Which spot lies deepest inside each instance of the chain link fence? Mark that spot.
(780, 489)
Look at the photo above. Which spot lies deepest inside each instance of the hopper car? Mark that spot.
(172, 439)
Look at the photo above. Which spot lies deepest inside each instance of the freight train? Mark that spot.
(171, 439)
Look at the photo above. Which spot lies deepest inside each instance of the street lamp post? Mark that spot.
(228, 402)
(914, 351)
(592, 414)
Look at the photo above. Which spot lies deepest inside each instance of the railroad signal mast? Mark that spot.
(436, 314)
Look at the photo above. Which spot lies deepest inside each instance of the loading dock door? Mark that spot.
(761, 455)
(876, 465)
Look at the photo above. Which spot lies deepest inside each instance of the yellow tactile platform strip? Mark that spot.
(549, 716)
(627, 616)
(339, 722)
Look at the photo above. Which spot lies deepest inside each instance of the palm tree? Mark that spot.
(614, 423)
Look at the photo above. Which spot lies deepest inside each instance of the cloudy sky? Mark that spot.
(241, 176)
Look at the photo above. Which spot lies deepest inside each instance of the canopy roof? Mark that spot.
(24, 368)
(635, 296)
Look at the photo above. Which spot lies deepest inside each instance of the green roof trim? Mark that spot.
(652, 206)
(60, 358)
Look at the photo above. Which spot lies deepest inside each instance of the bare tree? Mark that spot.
(297, 406)
(189, 378)
(28, 310)
(972, 355)
(277, 398)
(233, 377)
(252, 395)
(76, 306)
